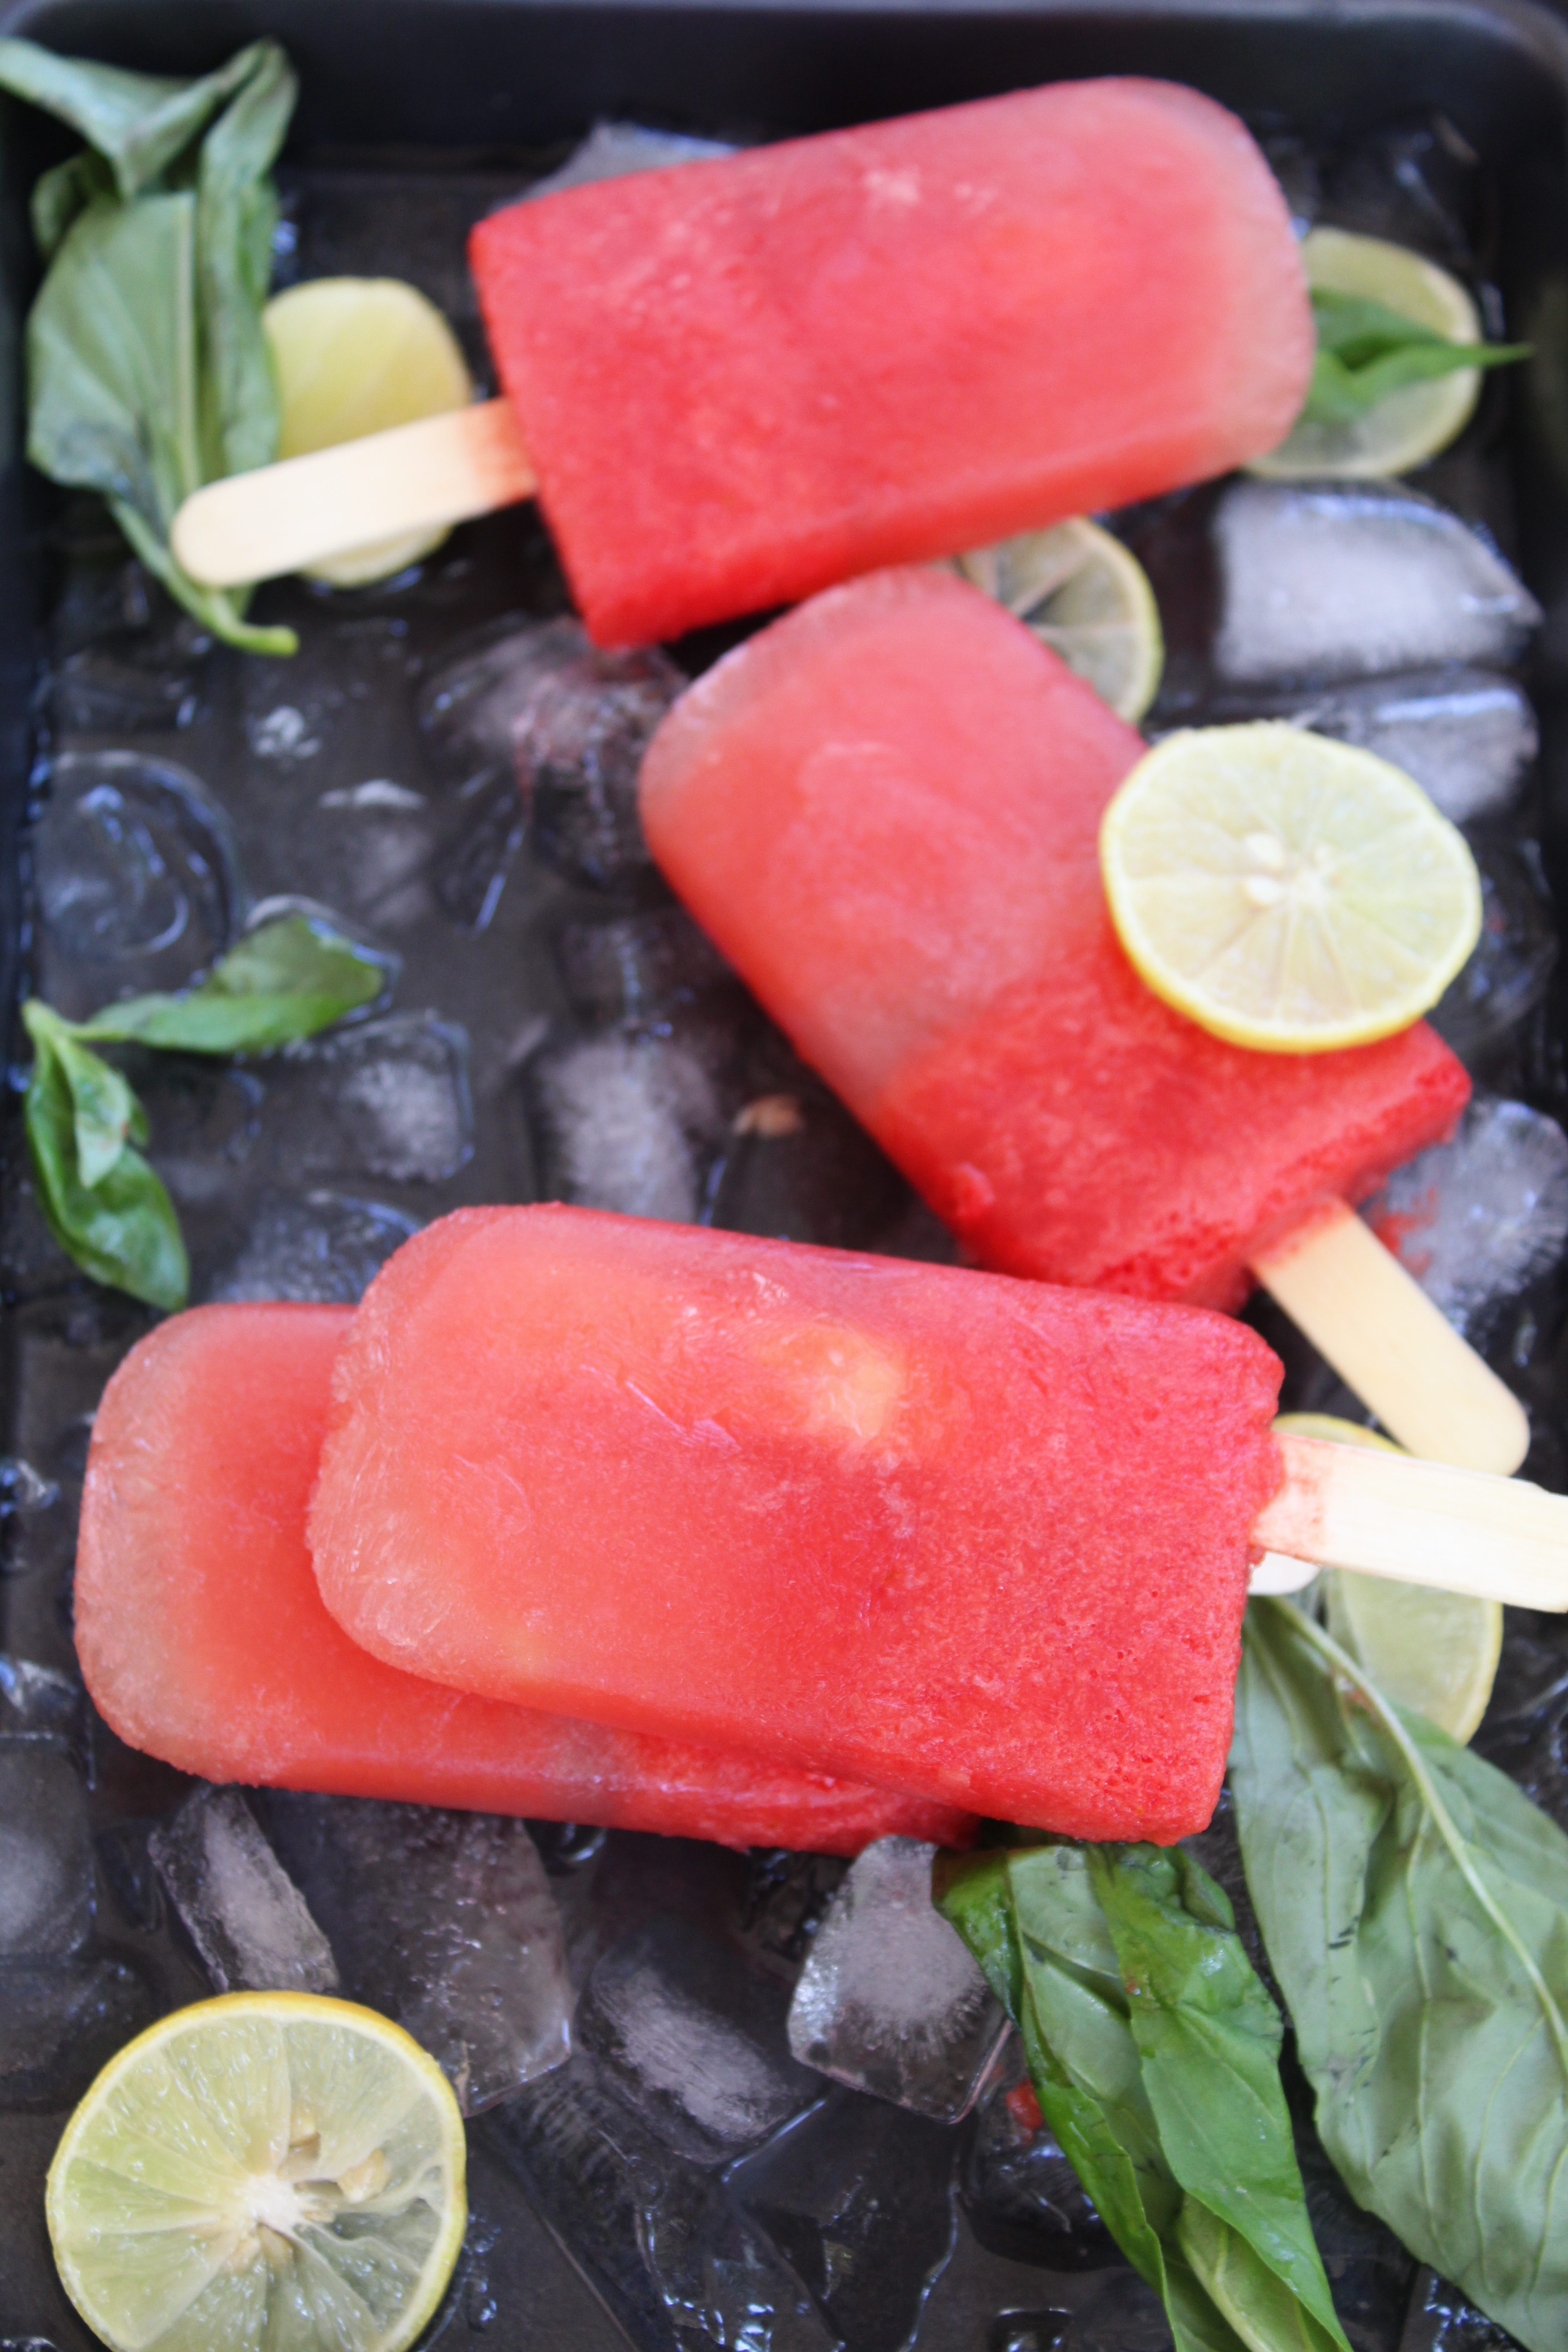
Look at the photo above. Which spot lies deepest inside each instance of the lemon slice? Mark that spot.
(1410, 427)
(1436, 1653)
(1086, 597)
(1286, 892)
(270, 2171)
(354, 355)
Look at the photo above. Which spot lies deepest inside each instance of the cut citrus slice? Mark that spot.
(1436, 1653)
(1285, 892)
(269, 2170)
(353, 356)
(1409, 427)
(1084, 595)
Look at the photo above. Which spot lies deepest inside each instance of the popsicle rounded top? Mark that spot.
(203, 1640)
(885, 809)
(980, 1539)
(741, 380)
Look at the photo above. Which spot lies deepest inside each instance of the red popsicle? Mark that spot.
(203, 1640)
(885, 809)
(983, 1538)
(741, 380)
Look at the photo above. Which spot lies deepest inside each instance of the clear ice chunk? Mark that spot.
(613, 150)
(324, 1248)
(244, 1915)
(1022, 2196)
(45, 1852)
(1337, 580)
(625, 1122)
(474, 694)
(857, 2197)
(890, 2000)
(631, 966)
(137, 879)
(385, 1097)
(1466, 736)
(1510, 967)
(1479, 1217)
(579, 745)
(445, 1921)
(59, 2023)
(38, 1702)
(695, 2044)
(377, 838)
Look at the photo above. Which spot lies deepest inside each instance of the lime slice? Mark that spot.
(354, 355)
(270, 2171)
(1436, 1653)
(1286, 892)
(1409, 427)
(1086, 597)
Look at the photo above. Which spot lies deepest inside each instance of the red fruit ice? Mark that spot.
(741, 380)
(982, 1538)
(203, 1640)
(885, 809)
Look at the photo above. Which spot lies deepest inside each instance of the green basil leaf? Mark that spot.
(1208, 2040)
(1153, 2052)
(1366, 351)
(1414, 1907)
(285, 982)
(105, 1111)
(121, 1228)
(147, 369)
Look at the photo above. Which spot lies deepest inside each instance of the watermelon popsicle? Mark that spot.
(977, 1537)
(203, 1640)
(885, 809)
(740, 380)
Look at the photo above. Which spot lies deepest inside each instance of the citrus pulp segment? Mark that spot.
(266, 2172)
(1286, 893)
(1436, 1653)
(353, 356)
(1409, 427)
(1086, 597)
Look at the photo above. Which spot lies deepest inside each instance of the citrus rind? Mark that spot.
(1080, 591)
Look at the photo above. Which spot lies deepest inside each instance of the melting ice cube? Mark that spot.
(1466, 736)
(244, 1915)
(1479, 1217)
(695, 2044)
(444, 1921)
(1341, 579)
(46, 1850)
(890, 2000)
(625, 1122)
(387, 1098)
(612, 150)
(323, 1248)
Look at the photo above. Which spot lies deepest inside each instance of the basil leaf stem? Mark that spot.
(1366, 351)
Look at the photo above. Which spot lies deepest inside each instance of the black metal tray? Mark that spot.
(415, 116)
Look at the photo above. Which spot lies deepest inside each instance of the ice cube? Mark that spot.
(23, 1488)
(137, 878)
(798, 1167)
(131, 678)
(244, 1913)
(205, 1121)
(282, 733)
(720, 2280)
(1466, 736)
(694, 2042)
(45, 1852)
(378, 838)
(444, 1921)
(474, 694)
(324, 1248)
(579, 744)
(1412, 182)
(385, 1098)
(890, 2000)
(612, 150)
(858, 2199)
(59, 2023)
(471, 872)
(38, 1702)
(1337, 580)
(1511, 969)
(1479, 1217)
(627, 1121)
(632, 966)
(1022, 2196)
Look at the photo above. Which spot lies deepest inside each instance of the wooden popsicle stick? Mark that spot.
(413, 477)
(1387, 1340)
(1419, 1522)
